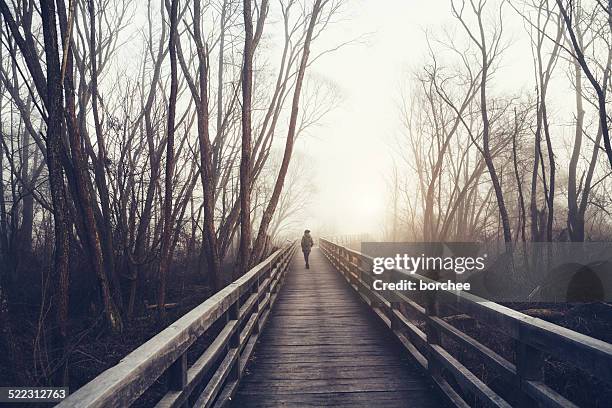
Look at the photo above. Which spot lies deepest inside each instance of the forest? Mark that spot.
(145, 149)
(517, 160)
(475, 161)
(148, 152)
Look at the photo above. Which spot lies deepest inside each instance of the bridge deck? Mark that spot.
(323, 347)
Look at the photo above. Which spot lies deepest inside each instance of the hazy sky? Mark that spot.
(350, 154)
(351, 150)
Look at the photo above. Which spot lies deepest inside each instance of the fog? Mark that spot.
(350, 153)
(155, 155)
(370, 55)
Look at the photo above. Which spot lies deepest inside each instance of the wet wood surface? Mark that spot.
(323, 347)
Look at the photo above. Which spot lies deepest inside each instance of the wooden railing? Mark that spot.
(239, 310)
(534, 339)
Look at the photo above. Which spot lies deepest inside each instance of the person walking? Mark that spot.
(307, 244)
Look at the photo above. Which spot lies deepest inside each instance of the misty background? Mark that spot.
(350, 153)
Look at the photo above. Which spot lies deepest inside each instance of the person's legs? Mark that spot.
(306, 253)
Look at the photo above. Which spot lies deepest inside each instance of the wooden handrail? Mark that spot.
(242, 306)
(534, 338)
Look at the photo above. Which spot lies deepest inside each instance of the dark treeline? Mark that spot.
(139, 138)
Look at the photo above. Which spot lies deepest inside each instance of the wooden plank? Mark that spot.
(321, 341)
(453, 397)
(320, 372)
(386, 399)
(414, 352)
(207, 397)
(410, 303)
(545, 395)
(196, 372)
(502, 366)
(587, 353)
(467, 379)
(230, 388)
(125, 382)
(414, 334)
(349, 363)
(329, 385)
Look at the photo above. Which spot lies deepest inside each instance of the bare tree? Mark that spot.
(489, 51)
(168, 219)
(565, 8)
(245, 158)
(266, 218)
(579, 191)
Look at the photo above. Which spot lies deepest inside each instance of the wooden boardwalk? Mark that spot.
(322, 346)
(326, 344)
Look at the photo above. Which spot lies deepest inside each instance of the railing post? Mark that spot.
(395, 305)
(273, 280)
(529, 363)
(234, 343)
(336, 256)
(361, 271)
(282, 267)
(346, 261)
(433, 333)
(268, 292)
(354, 271)
(177, 374)
(255, 291)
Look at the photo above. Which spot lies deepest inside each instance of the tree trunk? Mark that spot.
(575, 223)
(245, 160)
(55, 116)
(599, 89)
(82, 197)
(168, 221)
(268, 213)
(27, 213)
(106, 231)
(486, 150)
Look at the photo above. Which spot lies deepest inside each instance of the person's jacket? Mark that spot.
(307, 242)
